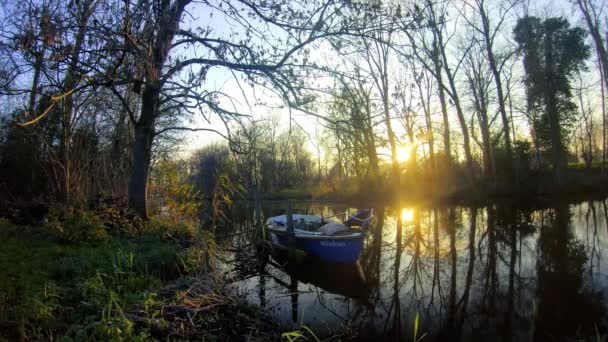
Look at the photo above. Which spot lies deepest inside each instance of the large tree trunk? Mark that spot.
(429, 127)
(441, 57)
(142, 152)
(138, 186)
(391, 139)
(169, 20)
(480, 102)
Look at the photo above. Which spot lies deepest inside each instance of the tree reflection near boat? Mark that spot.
(500, 272)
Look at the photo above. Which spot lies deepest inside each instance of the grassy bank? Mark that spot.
(107, 285)
(50, 288)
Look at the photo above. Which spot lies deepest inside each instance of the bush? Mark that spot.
(119, 221)
(180, 200)
(74, 224)
(184, 232)
(203, 256)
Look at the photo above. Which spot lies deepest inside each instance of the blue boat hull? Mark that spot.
(345, 251)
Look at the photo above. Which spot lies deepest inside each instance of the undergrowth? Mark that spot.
(73, 276)
(104, 274)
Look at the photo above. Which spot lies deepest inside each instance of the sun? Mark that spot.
(403, 153)
(407, 214)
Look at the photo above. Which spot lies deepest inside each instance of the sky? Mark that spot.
(244, 97)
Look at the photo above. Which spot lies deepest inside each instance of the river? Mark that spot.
(500, 272)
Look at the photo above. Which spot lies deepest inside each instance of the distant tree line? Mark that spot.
(275, 160)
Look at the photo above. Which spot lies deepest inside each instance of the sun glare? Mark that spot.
(407, 215)
(403, 153)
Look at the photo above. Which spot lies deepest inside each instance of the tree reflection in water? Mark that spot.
(501, 272)
(565, 306)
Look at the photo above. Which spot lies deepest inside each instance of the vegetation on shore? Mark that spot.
(77, 277)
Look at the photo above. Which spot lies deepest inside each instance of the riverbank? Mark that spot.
(532, 188)
(154, 283)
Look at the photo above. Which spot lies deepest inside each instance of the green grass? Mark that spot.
(50, 288)
(595, 164)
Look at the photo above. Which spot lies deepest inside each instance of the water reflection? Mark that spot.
(494, 273)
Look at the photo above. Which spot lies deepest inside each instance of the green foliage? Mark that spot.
(78, 291)
(75, 224)
(224, 192)
(301, 333)
(181, 199)
(201, 253)
(523, 154)
(183, 231)
(122, 284)
(118, 221)
(553, 52)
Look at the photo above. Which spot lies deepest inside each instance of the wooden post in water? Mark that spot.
(258, 212)
(291, 233)
(262, 246)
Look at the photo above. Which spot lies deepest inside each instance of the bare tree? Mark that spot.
(489, 31)
(592, 12)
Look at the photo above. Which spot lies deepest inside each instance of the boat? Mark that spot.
(319, 237)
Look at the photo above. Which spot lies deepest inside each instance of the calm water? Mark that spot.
(491, 273)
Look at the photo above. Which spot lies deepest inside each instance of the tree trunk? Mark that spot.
(142, 152)
(35, 82)
(499, 92)
(71, 80)
(168, 25)
(602, 77)
(444, 108)
(461, 120)
(593, 25)
(429, 130)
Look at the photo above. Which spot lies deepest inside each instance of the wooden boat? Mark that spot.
(308, 236)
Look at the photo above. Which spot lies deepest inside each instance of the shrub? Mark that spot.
(75, 224)
(119, 221)
(184, 232)
(180, 200)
